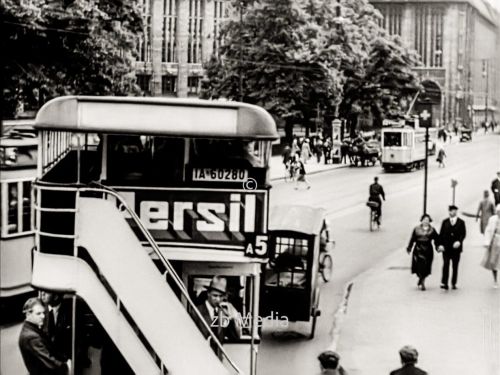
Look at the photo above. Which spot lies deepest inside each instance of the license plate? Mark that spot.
(220, 174)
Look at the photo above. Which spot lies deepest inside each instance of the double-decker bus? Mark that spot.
(139, 203)
(18, 161)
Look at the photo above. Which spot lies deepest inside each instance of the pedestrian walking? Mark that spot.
(495, 188)
(319, 149)
(491, 260)
(409, 357)
(440, 157)
(485, 210)
(450, 243)
(422, 242)
(301, 172)
(37, 351)
(306, 151)
(329, 363)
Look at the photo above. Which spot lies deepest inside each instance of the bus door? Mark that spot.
(243, 286)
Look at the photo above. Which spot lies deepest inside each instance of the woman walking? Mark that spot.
(421, 243)
(301, 172)
(485, 210)
(491, 260)
(440, 158)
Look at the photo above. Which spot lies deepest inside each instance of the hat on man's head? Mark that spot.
(408, 354)
(329, 359)
(219, 284)
(452, 207)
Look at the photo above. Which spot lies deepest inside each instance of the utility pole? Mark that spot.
(240, 90)
(426, 166)
(485, 75)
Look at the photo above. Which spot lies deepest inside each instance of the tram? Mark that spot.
(403, 144)
(140, 203)
(18, 161)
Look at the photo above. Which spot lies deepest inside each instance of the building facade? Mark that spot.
(459, 46)
(179, 36)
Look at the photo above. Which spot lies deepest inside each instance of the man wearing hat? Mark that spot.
(450, 243)
(495, 188)
(220, 315)
(409, 356)
(329, 363)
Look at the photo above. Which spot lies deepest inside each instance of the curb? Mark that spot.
(314, 172)
(339, 315)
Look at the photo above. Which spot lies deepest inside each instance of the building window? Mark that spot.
(143, 82)
(169, 29)
(220, 15)
(195, 31)
(429, 35)
(194, 85)
(168, 85)
(145, 42)
(392, 18)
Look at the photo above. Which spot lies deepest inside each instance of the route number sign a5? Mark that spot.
(257, 246)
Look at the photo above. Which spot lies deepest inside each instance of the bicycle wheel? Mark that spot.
(372, 220)
(326, 267)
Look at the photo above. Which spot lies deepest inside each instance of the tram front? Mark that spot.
(190, 178)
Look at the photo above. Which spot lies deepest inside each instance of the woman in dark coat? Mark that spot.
(421, 243)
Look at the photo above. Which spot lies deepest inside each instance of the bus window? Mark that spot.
(392, 139)
(145, 158)
(26, 205)
(289, 265)
(12, 219)
(20, 156)
(230, 153)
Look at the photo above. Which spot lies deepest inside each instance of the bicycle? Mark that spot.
(374, 219)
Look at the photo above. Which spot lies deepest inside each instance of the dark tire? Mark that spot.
(326, 267)
(314, 315)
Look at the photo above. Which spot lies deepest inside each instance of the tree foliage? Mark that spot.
(301, 55)
(59, 47)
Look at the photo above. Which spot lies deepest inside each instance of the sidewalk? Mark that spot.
(456, 332)
(277, 168)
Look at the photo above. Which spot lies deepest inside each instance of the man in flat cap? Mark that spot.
(409, 357)
(220, 315)
(450, 243)
(329, 363)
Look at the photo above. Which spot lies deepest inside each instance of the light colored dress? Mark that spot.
(491, 260)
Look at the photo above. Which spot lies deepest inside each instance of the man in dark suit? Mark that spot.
(220, 315)
(37, 351)
(409, 357)
(495, 188)
(376, 192)
(58, 325)
(450, 242)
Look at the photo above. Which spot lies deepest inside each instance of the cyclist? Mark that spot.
(376, 192)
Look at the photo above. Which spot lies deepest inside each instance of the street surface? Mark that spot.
(343, 192)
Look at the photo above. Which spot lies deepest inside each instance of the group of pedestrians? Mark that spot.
(449, 241)
(329, 362)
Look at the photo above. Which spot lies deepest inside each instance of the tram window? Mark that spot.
(233, 152)
(26, 206)
(12, 220)
(392, 139)
(289, 265)
(21, 156)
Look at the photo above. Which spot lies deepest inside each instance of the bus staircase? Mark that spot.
(134, 299)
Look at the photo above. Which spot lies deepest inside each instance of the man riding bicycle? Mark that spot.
(377, 191)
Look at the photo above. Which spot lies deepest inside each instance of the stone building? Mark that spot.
(459, 46)
(179, 36)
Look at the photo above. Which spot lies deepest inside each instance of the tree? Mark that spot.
(283, 65)
(389, 78)
(59, 47)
